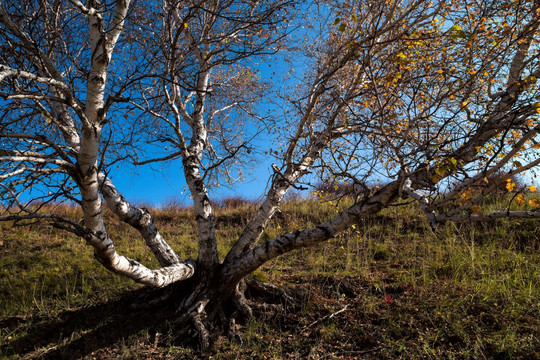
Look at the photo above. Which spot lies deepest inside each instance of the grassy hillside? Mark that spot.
(389, 288)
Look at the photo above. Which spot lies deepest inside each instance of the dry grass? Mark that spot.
(468, 291)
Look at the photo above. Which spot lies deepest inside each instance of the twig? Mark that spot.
(326, 317)
(359, 352)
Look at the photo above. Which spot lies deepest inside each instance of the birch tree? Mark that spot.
(425, 95)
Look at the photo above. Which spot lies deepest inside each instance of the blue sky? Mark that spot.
(158, 187)
(161, 183)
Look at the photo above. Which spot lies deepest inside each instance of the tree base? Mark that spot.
(201, 316)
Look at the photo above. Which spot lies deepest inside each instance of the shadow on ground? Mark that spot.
(78, 333)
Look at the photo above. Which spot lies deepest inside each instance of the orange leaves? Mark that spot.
(520, 198)
(466, 196)
(510, 185)
(476, 210)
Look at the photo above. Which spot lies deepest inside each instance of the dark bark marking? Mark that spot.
(205, 200)
(267, 247)
(327, 233)
(133, 262)
(281, 248)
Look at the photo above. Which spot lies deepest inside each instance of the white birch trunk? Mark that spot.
(106, 254)
(141, 220)
(102, 44)
(251, 260)
(208, 255)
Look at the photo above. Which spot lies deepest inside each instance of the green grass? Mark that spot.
(465, 291)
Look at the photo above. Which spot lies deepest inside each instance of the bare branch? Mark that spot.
(6, 71)
(174, 155)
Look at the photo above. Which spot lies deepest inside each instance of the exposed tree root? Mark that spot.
(268, 294)
(204, 335)
(199, 317)
(229, 323)
(240, 302)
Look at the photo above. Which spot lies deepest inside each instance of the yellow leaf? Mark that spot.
(531, 188)
(534, 203)
(520, 199)
(510, 185)
(536, 146)
(530, 122)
